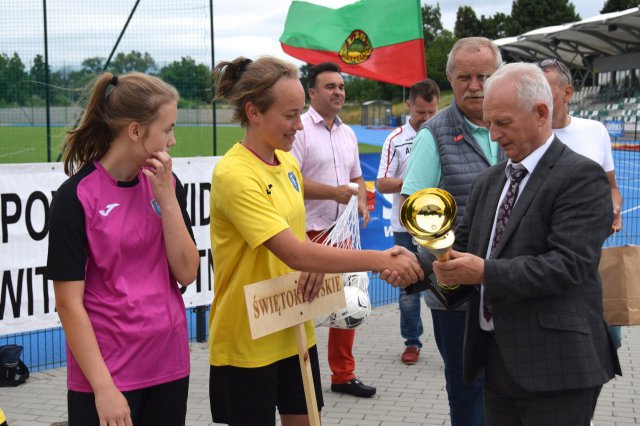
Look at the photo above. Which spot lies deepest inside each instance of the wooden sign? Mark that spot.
(274, 304)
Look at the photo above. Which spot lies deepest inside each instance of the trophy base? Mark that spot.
(451, 299)
(417, 287)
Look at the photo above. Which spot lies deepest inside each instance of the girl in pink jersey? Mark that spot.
(258, 232)
(119, 240)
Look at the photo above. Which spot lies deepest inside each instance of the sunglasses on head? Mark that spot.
(550, 62)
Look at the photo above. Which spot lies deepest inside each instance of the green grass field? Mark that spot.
(24, 144)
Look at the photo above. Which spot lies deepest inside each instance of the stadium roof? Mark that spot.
(578, 44)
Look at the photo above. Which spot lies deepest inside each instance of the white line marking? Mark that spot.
(17, 152)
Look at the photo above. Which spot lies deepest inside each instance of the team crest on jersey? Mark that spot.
(156, 207)
(356, 48)
(294, 181)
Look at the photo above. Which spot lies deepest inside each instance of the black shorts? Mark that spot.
(164, 404)
(249, 396)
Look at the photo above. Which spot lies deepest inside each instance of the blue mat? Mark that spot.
(371, 135)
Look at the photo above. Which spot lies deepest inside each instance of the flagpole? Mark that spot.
(404, 106)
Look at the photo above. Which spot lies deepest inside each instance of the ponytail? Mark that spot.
(113, 103)
(243, 80)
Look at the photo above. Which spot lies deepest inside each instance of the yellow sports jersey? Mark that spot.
(251, 202)
(2, 417)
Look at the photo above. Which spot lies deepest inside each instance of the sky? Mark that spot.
(171, 29)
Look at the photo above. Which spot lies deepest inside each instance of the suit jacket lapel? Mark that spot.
(535, 183)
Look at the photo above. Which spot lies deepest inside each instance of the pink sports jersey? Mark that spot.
(109, 234)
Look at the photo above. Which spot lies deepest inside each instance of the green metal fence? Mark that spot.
(50, 50)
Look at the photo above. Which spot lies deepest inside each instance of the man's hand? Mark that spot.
(617, 220)
(364, 213)
(460, 269)
(343, 194)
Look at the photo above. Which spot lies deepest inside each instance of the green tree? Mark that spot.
(431, 22)
(361, 89)
(304, 78)
(436, 53)
(192, 80)
(12, 80)
(132, 61)
(89, 70)
(437, 43)
(93, 65)
(618, 5)
(37, 73)
(494, 27)
(467, 24)
(531, 14)
(62, 87)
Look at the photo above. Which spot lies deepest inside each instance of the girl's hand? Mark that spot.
(113, 408)
(309, 285)
(401, 267)
(159, 172)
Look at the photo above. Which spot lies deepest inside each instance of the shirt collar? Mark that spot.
(472, 125)
(317, 118)
(531, 161)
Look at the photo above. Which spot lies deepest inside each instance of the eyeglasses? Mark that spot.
(550, 62)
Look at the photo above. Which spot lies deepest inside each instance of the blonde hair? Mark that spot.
(473, 44)
(242, 80)
(113, 102)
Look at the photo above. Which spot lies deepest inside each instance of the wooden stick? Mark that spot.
(307, 377)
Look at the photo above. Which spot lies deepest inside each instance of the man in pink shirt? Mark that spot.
(327, 150)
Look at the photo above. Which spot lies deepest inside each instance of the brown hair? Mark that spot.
(113, 102)
(314, 71)
(425, 89)
(243, 80)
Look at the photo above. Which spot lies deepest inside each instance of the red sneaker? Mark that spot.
(410, 355)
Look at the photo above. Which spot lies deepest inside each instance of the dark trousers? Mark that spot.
(506, 403)
(465, 401)
(164, 404)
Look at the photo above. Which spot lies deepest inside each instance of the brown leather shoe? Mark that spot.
(410, 355)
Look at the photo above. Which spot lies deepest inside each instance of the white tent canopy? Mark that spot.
(579, 44)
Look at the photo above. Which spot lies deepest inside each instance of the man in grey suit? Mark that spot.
(531, 237)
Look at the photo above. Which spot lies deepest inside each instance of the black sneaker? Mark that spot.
(354, 387)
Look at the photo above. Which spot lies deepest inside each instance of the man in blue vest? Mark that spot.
(449, 151)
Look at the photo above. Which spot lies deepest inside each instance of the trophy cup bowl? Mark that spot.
(429, 215)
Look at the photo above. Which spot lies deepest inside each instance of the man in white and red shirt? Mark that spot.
(422, 105)
(327, 150)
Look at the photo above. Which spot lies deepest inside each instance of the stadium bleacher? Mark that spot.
(605, 103)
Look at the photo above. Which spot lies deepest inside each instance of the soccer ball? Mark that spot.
(356, 279)
(357, 309)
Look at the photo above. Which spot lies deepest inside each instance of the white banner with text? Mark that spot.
(27, 301)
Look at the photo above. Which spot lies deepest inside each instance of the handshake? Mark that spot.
(401, 268)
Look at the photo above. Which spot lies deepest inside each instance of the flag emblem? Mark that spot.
(349, 35)
(356, 48)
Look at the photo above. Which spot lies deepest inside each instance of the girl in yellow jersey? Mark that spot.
(257, 233)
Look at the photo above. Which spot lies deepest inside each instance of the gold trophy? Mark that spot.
(429, 215)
